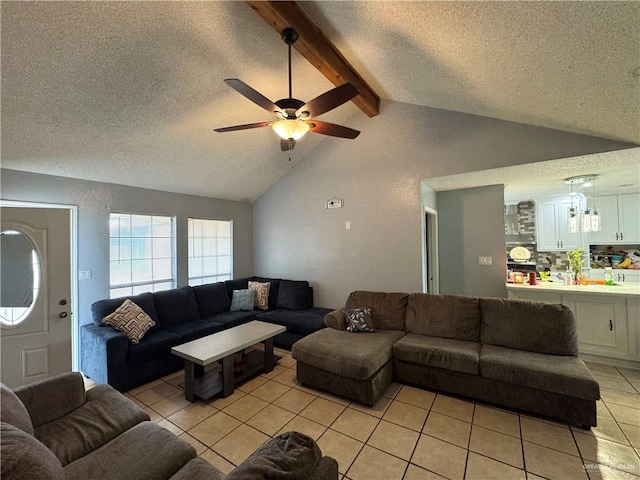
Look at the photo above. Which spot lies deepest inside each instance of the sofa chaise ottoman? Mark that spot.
(513, 353)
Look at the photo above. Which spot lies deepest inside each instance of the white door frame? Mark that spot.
(430, 257)
(73, 209)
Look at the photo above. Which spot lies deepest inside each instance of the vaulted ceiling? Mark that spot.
(129, 92)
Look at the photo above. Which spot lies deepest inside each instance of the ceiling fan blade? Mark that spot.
(328, 100)
(332, 129)
(286, 145)
(242, 127)
(253, 95)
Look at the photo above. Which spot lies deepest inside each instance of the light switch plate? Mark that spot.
(84, 275)
(485, 260)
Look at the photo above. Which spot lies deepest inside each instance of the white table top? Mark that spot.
(212, 348)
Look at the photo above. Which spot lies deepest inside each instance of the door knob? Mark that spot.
(62, 302)
(63, 314)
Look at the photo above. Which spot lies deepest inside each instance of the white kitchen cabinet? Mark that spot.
(602, 325)
(619, 219)
(552, 225)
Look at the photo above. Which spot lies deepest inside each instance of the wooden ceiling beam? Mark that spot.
(317, 49)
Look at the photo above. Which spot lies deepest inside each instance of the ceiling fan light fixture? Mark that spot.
(291, 129)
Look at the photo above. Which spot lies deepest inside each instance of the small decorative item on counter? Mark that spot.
(575, 262)
(584, 277)
(517, 277)
(532, 278)
(544, 276)
(608, 276)
(567, 277)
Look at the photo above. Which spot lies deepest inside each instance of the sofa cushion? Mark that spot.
(25, 458)
(52, 397)
(242, 300)
(131, 320)
(388, 310)
(175, 306)
(145, 452)
(293, 295)
(301, 322)
(13, 411)
(291, 455)
(566, 375)
(347, 355)
(533, 326)
(236, 284)
(198, 469)
(102, 308)
(196, 329)
(358, 320)
(232, 319)
(154, 345)
(445, 316)
(261, 300)
(455, 355)
(273, 290)
(212, 298)
(104, 416)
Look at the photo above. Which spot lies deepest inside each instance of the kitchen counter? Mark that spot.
(624, 289)
(607, 317)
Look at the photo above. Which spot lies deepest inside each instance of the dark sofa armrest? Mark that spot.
(104, 355)
(335, 319)
(53, 397)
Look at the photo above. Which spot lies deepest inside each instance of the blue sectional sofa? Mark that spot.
(184, 314)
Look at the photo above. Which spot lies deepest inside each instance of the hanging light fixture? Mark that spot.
(589, 219)
(595, 216)
(573, 213)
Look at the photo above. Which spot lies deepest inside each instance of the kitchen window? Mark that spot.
(210, 251)
(142, 253)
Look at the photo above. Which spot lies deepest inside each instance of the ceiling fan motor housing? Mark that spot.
(290, 106)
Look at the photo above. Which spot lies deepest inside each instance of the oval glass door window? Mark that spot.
(19, 277)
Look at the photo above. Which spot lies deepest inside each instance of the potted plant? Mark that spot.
(575, 263)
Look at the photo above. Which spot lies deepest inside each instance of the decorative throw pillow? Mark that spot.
(242, 300)
(131, 320)
(358, 319)
(262, 294)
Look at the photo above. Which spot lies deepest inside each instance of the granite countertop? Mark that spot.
(626, 289)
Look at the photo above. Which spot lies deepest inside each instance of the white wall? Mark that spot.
(472, 226)
(379, 177)
(96, 200)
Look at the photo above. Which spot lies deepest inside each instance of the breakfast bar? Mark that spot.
(607, 317)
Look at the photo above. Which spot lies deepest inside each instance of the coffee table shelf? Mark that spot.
(219, 348)
(210, 383)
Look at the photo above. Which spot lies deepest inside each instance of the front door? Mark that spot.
(35, 293)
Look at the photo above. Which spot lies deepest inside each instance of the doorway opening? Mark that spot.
(73, 229)
(430, 274)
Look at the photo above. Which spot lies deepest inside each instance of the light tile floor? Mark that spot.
(410, 434)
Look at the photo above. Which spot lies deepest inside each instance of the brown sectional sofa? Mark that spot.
(512, 353)
(53, 430)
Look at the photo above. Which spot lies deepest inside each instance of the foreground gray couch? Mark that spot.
(54, 430)
(512, 353)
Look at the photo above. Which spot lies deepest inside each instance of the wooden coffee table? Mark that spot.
(204, 351)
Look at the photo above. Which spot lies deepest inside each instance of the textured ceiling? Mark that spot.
(128, 92)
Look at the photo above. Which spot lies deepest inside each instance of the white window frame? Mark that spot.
(156, 283)
(203, 256)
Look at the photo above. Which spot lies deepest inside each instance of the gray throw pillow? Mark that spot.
(25, 458)
(358, 319)
(242, 300)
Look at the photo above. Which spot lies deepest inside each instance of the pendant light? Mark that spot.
(589, 219)
(573, 212)
(595, 216)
